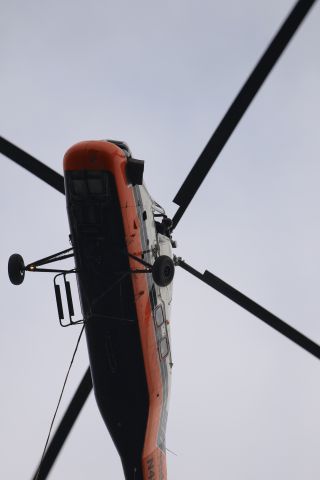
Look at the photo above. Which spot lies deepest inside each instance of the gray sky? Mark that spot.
(160, 75)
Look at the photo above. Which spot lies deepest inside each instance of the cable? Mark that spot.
(59, 401)
(170, 451)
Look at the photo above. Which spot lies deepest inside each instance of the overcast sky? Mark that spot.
(160, 75)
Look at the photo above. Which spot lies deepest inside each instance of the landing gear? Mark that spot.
(163, 270)
(16, 269)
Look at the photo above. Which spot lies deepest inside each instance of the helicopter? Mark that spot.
(207, 277)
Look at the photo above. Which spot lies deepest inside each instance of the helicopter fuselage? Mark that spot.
(126, 314)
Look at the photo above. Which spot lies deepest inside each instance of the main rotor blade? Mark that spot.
(65, 426)
(239, 107)
(254, 308)
(31, 164)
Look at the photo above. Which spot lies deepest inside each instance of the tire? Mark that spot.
(16, 269)
(163, 271)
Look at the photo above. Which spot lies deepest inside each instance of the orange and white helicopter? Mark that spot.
(122, 246)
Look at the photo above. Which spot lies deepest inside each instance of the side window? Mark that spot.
(161, 332)
(159, 317)
(164, 347)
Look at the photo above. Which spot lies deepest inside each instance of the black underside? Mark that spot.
(108, 306)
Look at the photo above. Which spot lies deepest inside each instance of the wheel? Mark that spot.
(163, 270)
(16, 269)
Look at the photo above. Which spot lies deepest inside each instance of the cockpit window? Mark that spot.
(86, 183)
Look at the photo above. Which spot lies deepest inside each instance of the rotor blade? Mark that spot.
(65, 426)
(31, 164)
(254, 308)
(238, 107)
